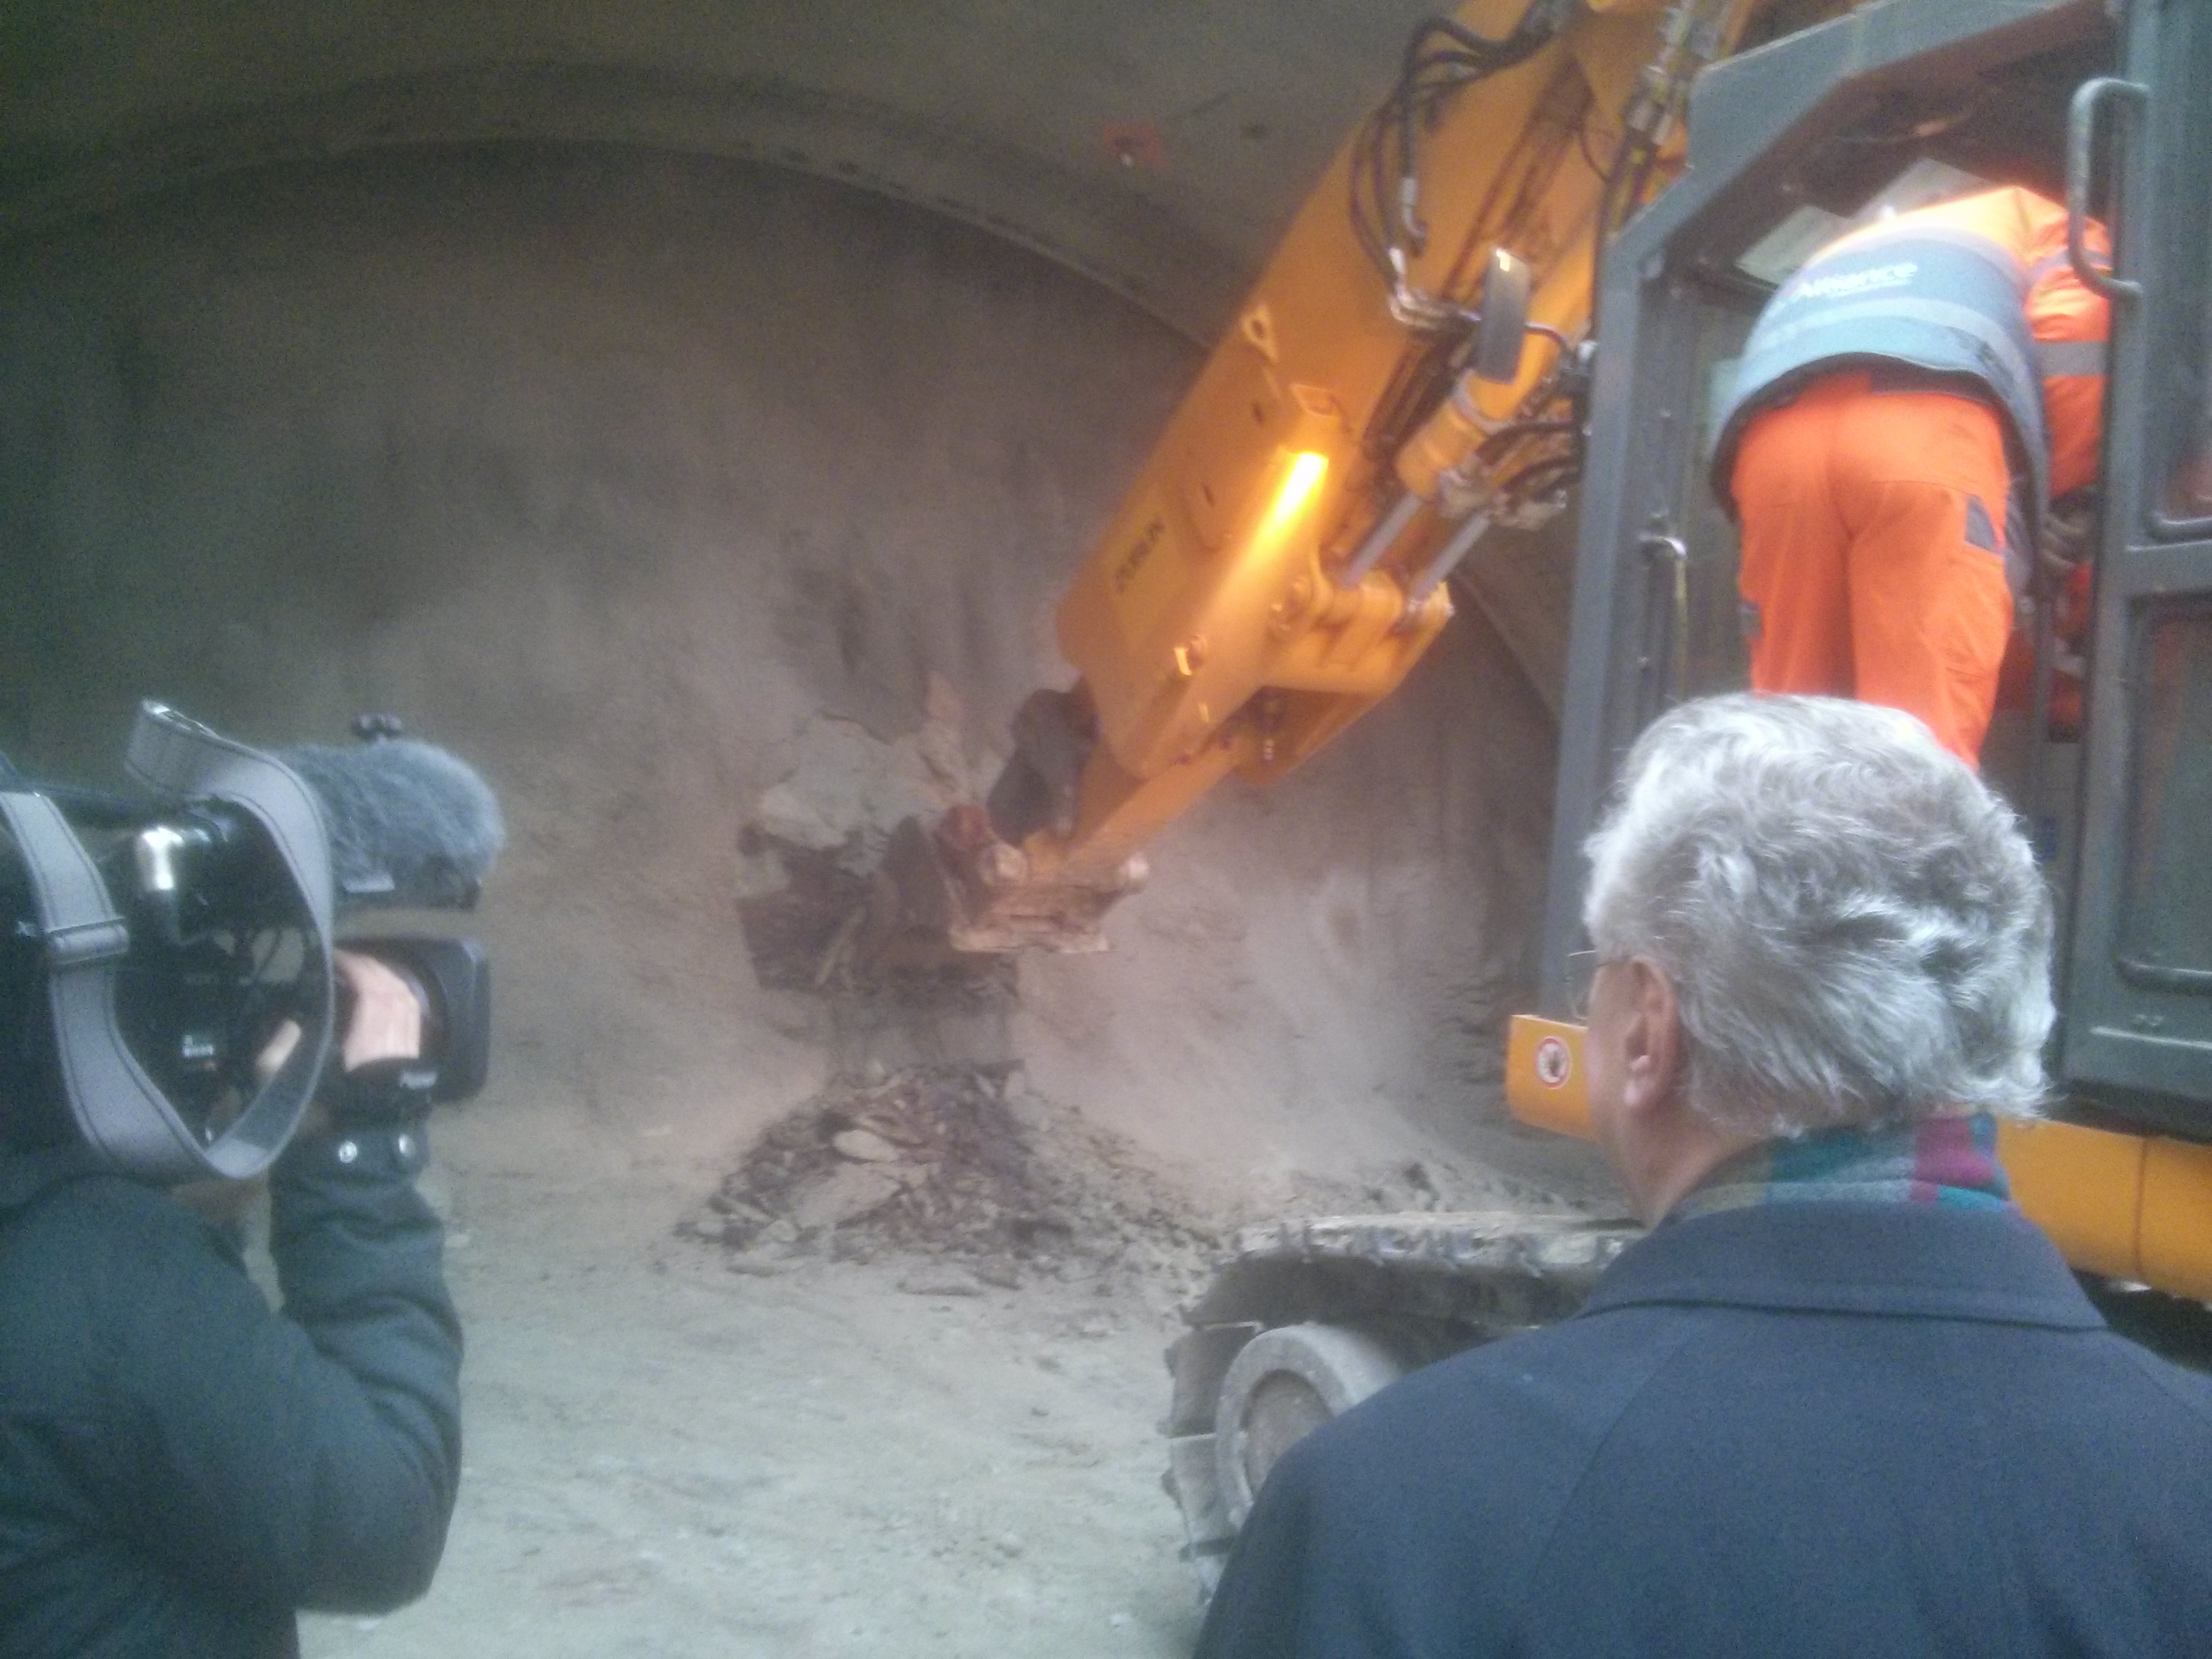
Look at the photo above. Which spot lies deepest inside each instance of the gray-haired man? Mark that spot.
(1844, 1399)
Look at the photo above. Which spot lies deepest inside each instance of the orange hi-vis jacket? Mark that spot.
(2071, 324)
(1980, 289)
(1906, 405)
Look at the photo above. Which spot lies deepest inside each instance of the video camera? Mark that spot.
(151, 946)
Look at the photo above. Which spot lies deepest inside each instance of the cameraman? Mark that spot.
(180, 1467)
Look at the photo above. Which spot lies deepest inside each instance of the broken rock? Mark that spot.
(845, 1194)
(762, 1264)
(865, 1146)
(848, 789)
(932, 1160)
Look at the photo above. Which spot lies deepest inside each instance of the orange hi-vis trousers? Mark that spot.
(1874, 522)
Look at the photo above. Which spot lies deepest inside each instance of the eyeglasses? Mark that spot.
(1581, 975)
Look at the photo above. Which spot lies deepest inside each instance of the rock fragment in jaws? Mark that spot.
(865, 1146)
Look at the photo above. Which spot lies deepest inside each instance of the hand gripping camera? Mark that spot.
(170, 937)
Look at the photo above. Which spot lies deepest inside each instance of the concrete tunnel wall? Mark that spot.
(611, 468)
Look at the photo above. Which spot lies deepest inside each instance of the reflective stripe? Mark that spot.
(1932, 298)
(1992, 337)
(2051, 264)
(2057, 357)
(1981, 529)
(1984, 248)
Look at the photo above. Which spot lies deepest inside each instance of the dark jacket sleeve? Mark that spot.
(1258, 1610)
(307, 1460)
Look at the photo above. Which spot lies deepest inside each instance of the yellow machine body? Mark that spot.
(2136, 1208)
(1273, 573)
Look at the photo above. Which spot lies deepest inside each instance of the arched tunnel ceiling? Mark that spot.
(1158, 146)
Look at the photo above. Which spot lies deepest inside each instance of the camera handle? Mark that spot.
(121, 1112)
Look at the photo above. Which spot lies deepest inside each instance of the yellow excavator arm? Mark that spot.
(1408, 371)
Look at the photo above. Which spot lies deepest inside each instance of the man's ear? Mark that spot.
(1651, 1037)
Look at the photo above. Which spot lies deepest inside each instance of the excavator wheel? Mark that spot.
(1306, 1318)
(1284, 1384)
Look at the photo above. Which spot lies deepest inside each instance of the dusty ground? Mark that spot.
(739, 1443)
(692, 1428)
(666, 1456)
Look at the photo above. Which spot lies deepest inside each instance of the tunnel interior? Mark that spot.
(620, 472)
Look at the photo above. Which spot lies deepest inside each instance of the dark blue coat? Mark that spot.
(180, 1467)
(1814, 1428)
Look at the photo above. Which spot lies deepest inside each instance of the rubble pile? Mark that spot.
(956, 1162)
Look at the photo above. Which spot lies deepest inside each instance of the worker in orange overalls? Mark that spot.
(1907, 405)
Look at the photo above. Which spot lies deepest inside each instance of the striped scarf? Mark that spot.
(1945, 1160)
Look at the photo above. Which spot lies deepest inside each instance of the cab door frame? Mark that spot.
(2138, 1032)
(1754, 118)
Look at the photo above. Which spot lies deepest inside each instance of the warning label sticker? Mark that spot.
(1555, 1062)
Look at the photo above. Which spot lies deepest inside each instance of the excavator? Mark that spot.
(1508, 310)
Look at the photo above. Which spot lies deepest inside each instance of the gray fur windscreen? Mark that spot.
(411, 826)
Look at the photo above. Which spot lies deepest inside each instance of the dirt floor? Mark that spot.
(666, 1456)
(763, 1414)
(720, 1400)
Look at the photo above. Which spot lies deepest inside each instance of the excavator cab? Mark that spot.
(1886, 108)
(1892, 105)
(2138, 973)
(1788, 144)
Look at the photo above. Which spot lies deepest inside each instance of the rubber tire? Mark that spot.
(1339, 1366)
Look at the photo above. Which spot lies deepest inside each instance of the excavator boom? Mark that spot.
(1407, 374)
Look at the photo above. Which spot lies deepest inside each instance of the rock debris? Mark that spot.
(959, 1165)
